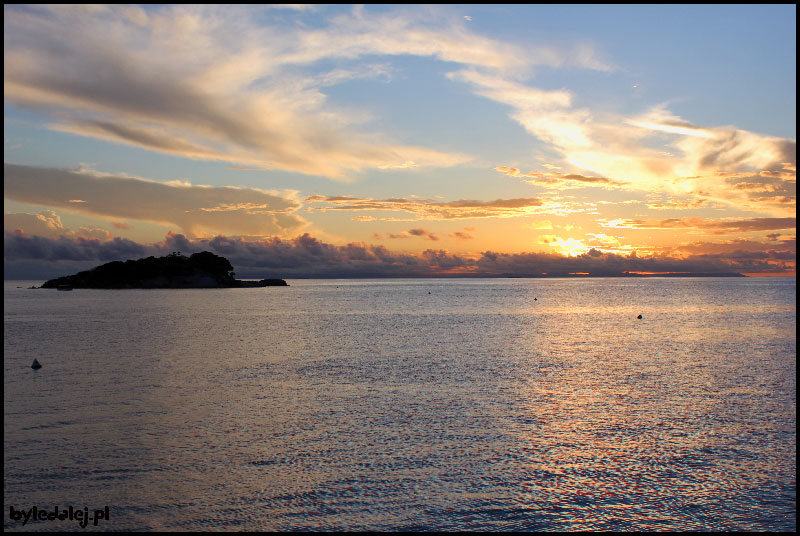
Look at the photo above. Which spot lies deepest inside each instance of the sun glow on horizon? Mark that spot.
(569, 247)
(358, 133)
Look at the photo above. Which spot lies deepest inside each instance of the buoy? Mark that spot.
(639, 317)
(36, 365)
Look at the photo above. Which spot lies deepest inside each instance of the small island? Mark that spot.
(201, 270)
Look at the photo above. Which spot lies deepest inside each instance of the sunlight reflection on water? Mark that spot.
(407, 405)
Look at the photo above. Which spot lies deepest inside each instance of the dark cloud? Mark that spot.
(608, 264)
(307, 256)
(411, 233)
(423, 232)
(461, 235)
(136, 135)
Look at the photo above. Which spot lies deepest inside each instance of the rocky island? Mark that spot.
(201, 270)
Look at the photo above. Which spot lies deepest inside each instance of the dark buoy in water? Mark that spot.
(534, 299)
(36, 365)
(639, 317)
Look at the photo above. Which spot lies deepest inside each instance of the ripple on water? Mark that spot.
(376, 406)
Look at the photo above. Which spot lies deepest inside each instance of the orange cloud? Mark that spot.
(656, 152)
(680, 204)
(425, 209)
(553, 179)
(713, 226)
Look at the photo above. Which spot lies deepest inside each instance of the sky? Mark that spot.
(402, 140)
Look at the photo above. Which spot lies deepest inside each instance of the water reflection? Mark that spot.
(378, 406)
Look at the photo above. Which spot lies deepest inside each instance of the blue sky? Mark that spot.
(658, 131)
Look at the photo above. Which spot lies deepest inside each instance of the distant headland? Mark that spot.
(201, 270)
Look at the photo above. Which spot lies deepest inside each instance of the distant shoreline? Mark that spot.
(479, 276)
(472, 276)
(532, 276)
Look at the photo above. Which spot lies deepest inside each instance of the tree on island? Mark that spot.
(201, 270)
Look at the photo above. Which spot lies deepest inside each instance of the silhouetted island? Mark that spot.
(201, 270)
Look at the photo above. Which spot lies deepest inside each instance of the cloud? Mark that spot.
(197, 210)
(773, 190)
(552, 179)
(680, 204)
(600, 263)
(738, 245)
(655, 152)
(411, 233)
(426, 209)
(20, 246)
(307, 256)
(424, 233)
(724, 164)
(712, 226)
(461, 235)
(48, 224)
(138, 135)
(544, 114)
(209, 83)
(748, 255)
(239, 85)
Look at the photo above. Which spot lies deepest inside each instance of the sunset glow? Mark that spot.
(402, 140)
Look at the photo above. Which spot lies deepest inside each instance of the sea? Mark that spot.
(403, 405)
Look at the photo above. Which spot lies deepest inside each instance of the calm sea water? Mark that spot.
(499, 404)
